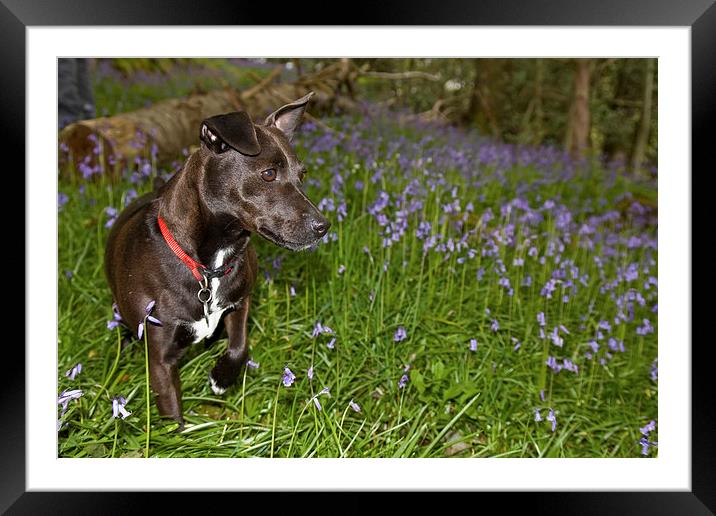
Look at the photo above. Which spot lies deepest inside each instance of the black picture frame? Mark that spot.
(700, 15)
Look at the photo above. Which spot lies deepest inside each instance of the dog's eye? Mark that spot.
(268, 175)
(302, 175)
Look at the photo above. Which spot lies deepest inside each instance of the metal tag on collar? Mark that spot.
(205, 296)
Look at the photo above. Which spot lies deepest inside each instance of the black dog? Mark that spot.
(186, 245)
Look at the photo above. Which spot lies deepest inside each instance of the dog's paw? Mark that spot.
(215, 387)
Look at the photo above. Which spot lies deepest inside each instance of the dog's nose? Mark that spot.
(320, 227)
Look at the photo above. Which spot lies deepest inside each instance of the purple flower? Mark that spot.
(604, 325)
(111, 214)
(645, 431)
(473, 344)
(353, 405)
(403, 380)
(495, 325)
(556, 339)
(251, 364)
(517, 344)
(646, 329)
(310, 373)
(288, 377)
(552, 418)
(553, 364)
(317, 329)
(62, 199)
(64, 399)
(645, 444)
(654, 373)
(570, 366)
(649, 427)
(147, 310)
(117, 318)
(314, 399)
(71, 373)
(538, 417)
(400, 334)
(118, 407)
(341, 269)
(541, 394)
(332, 343)
(292, 291)
(130, 196)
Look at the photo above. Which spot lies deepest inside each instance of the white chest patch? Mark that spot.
(201, 328)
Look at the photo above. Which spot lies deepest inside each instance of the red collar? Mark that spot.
(200, 272)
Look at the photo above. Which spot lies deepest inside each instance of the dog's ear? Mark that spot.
(235, 130)
(288, 117)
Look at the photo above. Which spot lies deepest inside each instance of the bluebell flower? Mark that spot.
(118, 408)
(147, 310)
(62, 199)
(400, 334)
(288, 377)
(649, 427)
(72, 373)
(317, 329)
(64, 399)
(654, 372)
(66, 396)
(314, 399)
(553, 419)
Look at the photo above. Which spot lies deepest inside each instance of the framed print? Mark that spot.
(352, 421)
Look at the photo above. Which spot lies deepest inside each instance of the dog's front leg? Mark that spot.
(229, 365)
(164, 375)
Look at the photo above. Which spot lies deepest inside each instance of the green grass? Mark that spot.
(456, 403)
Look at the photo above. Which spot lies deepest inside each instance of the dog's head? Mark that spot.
(253, 174)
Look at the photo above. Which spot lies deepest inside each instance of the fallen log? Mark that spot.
(160, 133)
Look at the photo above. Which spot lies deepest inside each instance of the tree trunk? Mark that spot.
(539, 114)
(642, 134)
(580, 116)
(481, 109)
